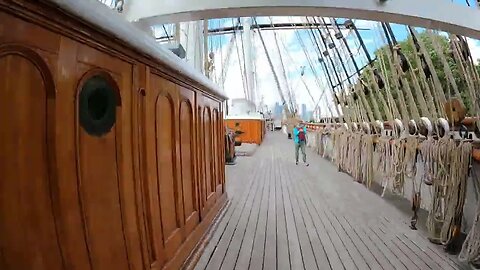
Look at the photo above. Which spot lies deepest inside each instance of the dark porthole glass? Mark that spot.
(97, 106)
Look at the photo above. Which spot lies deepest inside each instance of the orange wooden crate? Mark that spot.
(253, 129)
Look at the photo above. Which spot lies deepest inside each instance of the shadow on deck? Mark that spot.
(284, 216)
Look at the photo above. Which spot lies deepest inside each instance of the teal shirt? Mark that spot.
(295, 134)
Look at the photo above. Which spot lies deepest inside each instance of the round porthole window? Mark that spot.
(97, 106)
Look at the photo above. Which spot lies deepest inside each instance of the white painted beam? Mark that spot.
(433, 14)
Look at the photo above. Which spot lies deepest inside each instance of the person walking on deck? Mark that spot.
(300, 139)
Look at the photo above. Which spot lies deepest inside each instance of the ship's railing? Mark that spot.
(313, 127)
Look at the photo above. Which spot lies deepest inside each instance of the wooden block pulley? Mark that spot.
(455, 111)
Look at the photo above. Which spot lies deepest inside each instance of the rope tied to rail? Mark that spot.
(410, 169)
(391, 162)
(471, 247)
(446, 170)
(456, 190)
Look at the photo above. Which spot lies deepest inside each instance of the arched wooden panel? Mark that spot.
(207, 133)
(208, 158)
(28, 234)
(216, 149)
(202, 183)
(98, 185)
(166, 176)
(190, 206)
(150, 193)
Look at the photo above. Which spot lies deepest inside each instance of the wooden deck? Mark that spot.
(284, 216)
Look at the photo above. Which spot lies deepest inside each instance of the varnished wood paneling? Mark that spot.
(217, 149)
(99, 188)
(16, 31)
(168, 183)
(165, 165)
(200, 156)
(208, 158)
(187, 146)
(71, 226)
(28, 233)
(140, 196)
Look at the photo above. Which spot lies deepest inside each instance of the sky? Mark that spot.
(294, 56)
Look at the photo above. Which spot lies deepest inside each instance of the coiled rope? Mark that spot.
(471, 247)
(446, 169)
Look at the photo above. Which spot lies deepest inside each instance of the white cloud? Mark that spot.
(474, 46)
(365, 24)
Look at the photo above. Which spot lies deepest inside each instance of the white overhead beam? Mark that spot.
(434, 14)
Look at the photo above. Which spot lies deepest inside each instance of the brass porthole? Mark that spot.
(97, 106)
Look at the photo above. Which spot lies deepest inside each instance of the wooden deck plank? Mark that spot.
(373, 255)
(258, 251)
(363, 250)
(347, 242)
(233, 248)
(212, 245)
(380, 245)
(441, 262)
(218, 256)
(333, 258)
(358, 259)
(422, 260)
(283, 253)
(295, 252)
(419, 242)
(270, 254)
(394, 248)
(316, 243)
(243, 259)
(336, 241)
(284, 216)
(308, 257)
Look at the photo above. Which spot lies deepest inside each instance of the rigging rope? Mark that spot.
(446, 161)
(446, 169)
(393, 62)
(332, 92)
(448, 72)
(242, 74)
(422, 69)
(391, 101)
(471, 247)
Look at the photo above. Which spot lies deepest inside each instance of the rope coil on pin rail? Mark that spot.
(378, 127)
(391, 156)
(425, 127)
(410, 170)
(366, 128)
(412, 127)
(397, 127)
(471, 246)
(442, 127)
(455, 197)
(446, 169)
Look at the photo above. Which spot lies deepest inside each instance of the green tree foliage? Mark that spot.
(409, 51)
